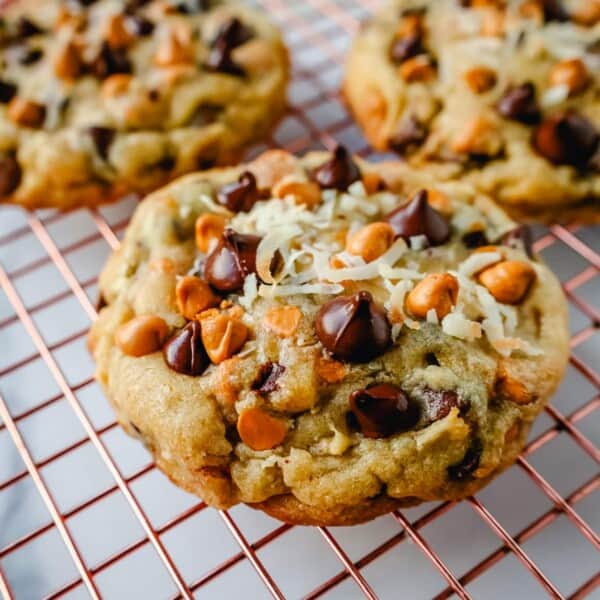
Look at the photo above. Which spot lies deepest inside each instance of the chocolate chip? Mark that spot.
(241, 195)
(519, 104)
(100, 302)
(439, 403)
(266, 380)
(166, 163)
(567, 138)
(8, 91)
(339, 172)
(521, 237)
(26, 28)
(382, 410)
(419, 218)
(140, 25)
(554, 10)
(110, 61)
(233, 33)
(232, 260)
(102, 138)
(10, 175)
(354, 328)
(410, 133)
(406, 47)
(475, 239)
(185, 353)
(470, 462)
(29, 56)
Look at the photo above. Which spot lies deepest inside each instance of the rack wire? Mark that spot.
(84, 512)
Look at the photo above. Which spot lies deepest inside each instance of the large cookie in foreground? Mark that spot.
(503, 94)
(326, 339)
(102, 98)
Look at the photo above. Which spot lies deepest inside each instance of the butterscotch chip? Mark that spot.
(26, 112)
(142, 335)
(330, 370)
(223, 336)
(260, 430)
(283, 320)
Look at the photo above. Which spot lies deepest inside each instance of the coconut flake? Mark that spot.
(276, 241)
(555, 95)
(418, 242)
(250, 291)
(456, 325)
(274, 291)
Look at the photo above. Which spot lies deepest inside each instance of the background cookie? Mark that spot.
(326, 340)
(101, 98)
(507, 93)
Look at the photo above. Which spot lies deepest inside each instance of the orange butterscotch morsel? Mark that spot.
(508, 281)
(68, 63)
(417, 68)
(480, 79)
(571, 73)
(372, 183)
(438, 292)
(26, 112)
(587, 13)
(410, 25)
(331, 370)
(532, 9)
(283, 320)
(371, 241)
(492, 22)
(116, 33)
(477, 137)
(222, 336)
(176, 48)
(194, 296)
(509, 388)
(115, 85)
(303, 192)
(209, 227)
(142, 335)
(259, 430)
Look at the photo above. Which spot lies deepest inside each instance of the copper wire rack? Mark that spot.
(84, 512)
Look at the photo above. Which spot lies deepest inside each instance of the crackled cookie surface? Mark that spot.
(106, 97)
(506, 93)
(326, 339)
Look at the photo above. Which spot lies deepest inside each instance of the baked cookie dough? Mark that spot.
(100, 98)
(326, 339)
(504, 94)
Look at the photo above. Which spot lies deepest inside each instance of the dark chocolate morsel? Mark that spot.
(10, 175)
(567, 138)
(233, 33)
(520, 237)
(519, 104)
(419, 218)
(554, 10)
(110, 61)
(27, 28)
(406, 47)
(140, 25)
(241, 195)
(439, 403)
(185, 353)
(8, 91)
(469, 464)
(266, 380)
(410, 133)
(232, 260)
(475, 239)
(102, 138)
(339, 172)
(354, 328)
(382, 410)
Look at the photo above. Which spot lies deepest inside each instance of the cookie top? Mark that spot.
(505, 92)
(105, 97)
(327, 331)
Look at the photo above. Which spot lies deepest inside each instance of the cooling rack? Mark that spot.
(84, 512)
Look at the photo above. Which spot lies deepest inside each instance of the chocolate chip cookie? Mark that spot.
(325, 339)
(504, 94)
(100, 98)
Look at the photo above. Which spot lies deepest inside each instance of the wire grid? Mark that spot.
(84, 512)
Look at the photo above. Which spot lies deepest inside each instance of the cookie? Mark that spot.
(102, 98)
(505, 95)
(326, 339)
